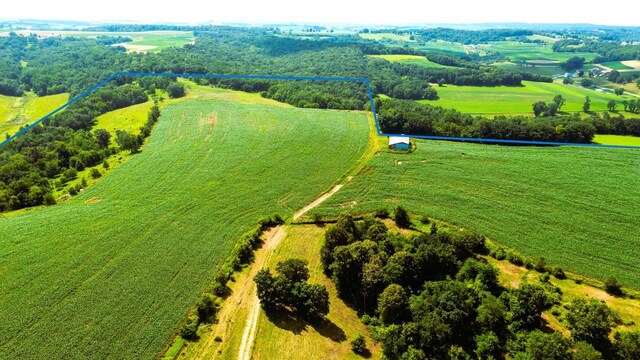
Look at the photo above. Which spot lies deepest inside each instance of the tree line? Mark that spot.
(407, 117)
(429, 296)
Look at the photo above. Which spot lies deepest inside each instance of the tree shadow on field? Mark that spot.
(286, 320)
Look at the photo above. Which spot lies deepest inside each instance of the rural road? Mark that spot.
(274, 237)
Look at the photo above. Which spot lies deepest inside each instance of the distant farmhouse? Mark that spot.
(399, 142)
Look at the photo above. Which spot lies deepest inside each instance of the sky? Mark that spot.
(394, 12)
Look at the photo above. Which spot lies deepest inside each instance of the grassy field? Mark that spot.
(282, 337)
(577, 207)
(444, 46)
(548, 70)
(144, 40)
(111, 273)
(519, 100)
(19, 111)
(529, 51)
(617, 140)
(386, 36)
(130, 119)
(616, 65)
(409, 59)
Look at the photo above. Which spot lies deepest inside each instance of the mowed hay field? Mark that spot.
(519, 99)
(19, 111)
(577, 207)
(410, 59)
(516, 51)
(111, 273)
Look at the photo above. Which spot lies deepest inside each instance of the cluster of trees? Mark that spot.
(573, 63)
(407, 117)
(468, 37)
(50, 155)
(607, 50)
(429, 296)
(289, 290)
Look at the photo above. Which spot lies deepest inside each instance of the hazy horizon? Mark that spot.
(330, 12)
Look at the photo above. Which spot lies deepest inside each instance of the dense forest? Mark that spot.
(429, 296)
(408, 117)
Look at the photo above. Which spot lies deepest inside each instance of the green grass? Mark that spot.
(444, 46)
(577, 207)
(617, 140)
(130, 119)
(518, 99)
(529, 51)
(159, 40)
(616, 65)
(386, 36)
(409, 59)
(19, 111)
(111, 273)
(284, 337)
(548, 70)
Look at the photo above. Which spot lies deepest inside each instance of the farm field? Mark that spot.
(574, 206)
(18, 111)
(529, 51)
(409, 59)
(617, 140)
(130, 119)
(549, 70)
(111, 273)
(518, 100)
(444, 46)
(143, 40)
(616, 65)
(386, 36)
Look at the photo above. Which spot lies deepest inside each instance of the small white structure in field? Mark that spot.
(399, 142)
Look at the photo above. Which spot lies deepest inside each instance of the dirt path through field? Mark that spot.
(316, 202)
(249, 333)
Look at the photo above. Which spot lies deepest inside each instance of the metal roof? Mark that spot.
(399, 140)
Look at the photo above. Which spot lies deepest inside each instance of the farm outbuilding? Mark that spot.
(399, 142)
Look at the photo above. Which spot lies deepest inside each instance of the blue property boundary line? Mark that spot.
(307, 78)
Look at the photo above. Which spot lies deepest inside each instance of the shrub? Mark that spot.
(382, 213)
(514, 258)
(499, 254)
(541, 265)
(190, 328)
(207, 307)
(175, 90)
(359, 345)
(425, 220)
(95, 173)
(558, 273)
(105, 164)
(613, 286)
(401, 217)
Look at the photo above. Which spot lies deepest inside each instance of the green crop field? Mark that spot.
(111, 273)
(529, 51)
(577, 207)
(616, 65)
(409, 59)
(518, 100)
(18, 111)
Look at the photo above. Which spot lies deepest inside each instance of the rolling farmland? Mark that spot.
(410, 59)
(518, 99)
(111, 273)
(577, 207)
